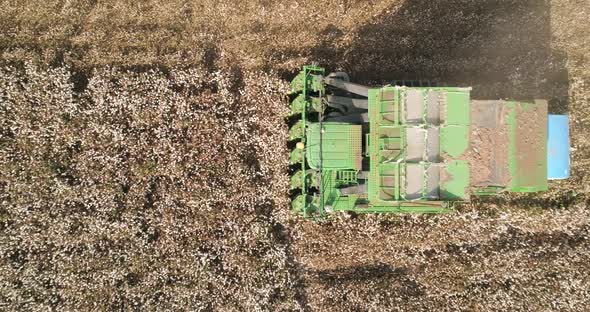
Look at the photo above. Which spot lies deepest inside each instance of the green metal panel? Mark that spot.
(346, 203)
(527, 134)
(455, 181)
(454, 140)
(341, 146)
(457, 107)
(329, 191)
(454, 133)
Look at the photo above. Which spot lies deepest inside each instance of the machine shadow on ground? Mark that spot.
(502, 49)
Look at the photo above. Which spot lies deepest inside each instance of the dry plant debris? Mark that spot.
(143, 158)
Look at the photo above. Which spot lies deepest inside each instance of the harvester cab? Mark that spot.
(414, 149)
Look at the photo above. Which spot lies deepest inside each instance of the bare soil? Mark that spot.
(143, 163)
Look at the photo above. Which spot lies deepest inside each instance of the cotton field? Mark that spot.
(144, 162)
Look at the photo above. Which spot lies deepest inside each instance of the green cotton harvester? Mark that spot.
(395, 149)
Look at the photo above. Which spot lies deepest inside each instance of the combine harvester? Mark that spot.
(399, 149)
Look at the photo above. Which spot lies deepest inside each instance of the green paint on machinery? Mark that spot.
(407, 149)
